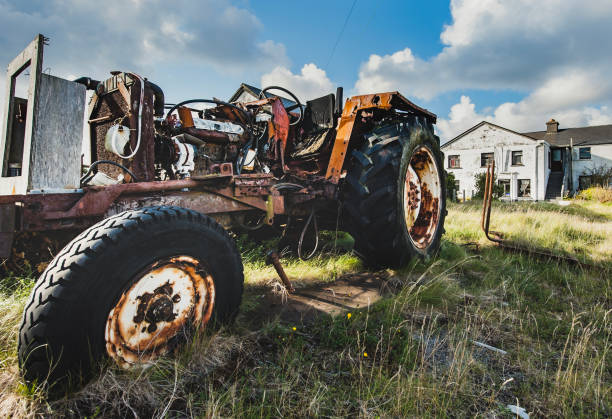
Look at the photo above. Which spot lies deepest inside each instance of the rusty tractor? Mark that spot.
(149, 194)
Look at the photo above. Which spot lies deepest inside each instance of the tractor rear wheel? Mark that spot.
(394, 196)
(130, 289)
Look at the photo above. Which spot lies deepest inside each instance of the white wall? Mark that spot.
(543, 169)
(601, 155)
(491, 139)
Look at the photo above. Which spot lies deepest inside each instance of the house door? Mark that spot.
(556, 160)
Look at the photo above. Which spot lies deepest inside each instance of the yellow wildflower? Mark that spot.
(348, 315)
(294, 328)
(365, 354)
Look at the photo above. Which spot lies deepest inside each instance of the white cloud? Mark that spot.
(462, 116)
(500, 45)
(156, 38)
(139, 36)
(553, 50)
(310, 83)
(529, 114)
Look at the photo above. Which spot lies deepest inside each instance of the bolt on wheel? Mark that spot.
(133, 288)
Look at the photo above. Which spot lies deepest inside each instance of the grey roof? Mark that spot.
(255, 91)
(601, 134)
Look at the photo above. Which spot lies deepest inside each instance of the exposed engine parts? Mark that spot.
(185, 154)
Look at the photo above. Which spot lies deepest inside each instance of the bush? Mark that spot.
(600, 175)
(450, 185)
(596, 193)
(480, 181)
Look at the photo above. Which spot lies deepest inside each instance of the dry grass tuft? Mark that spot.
(160, 389)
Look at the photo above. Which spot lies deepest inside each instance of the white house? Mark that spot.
(530, 166)
(576, 152)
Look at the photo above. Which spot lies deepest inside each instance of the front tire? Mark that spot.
(394, 196)
(130, 288)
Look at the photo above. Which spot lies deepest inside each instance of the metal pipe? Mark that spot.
(272, 258)
(158, 93)
(88, 82)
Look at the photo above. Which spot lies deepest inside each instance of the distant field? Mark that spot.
(411, 354)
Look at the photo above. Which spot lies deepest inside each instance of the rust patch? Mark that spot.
(426, 222)
(413, 196)
(147, 324)
(153, 306)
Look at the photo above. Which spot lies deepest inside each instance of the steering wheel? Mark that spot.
(262, 95)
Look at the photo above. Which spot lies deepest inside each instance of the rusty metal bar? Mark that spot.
(485, 201)
(273, 259)
(498, 239)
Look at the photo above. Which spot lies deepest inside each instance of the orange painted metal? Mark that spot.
(352, 107)
(345, 128)
(186, 117)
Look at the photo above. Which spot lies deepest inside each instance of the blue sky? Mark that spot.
(516, 63)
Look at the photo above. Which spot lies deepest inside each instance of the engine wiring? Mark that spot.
(312, 216)
(86, 178)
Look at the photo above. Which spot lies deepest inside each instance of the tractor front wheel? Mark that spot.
(130, 289)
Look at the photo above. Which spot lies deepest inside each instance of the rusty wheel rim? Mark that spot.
(422, 194)
(168, 299)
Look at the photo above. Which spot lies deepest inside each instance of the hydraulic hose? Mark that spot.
(316, 231)
(86, 177)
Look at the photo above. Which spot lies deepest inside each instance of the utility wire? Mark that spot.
(348, 16)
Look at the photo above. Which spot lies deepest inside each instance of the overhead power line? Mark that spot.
(348, 16)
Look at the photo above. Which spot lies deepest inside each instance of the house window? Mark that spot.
(505, 184)
(485, 159)
(584, 153)
(454, 162)
(584, 182)
(456, 185)
(524, 188)
(517, 158)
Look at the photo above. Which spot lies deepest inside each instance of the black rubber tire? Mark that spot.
(61, 339)
(372, 195)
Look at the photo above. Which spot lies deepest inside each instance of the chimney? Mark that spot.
(552, 127)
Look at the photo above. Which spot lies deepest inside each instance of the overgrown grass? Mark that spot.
(411, 354)
(582, 229)
(596, 193)
(327, 265)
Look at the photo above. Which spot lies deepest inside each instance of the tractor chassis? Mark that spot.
(222, 196)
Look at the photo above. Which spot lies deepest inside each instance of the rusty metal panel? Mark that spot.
(143, 164)
(8, 214)
(6, 244)
(111, 107)
(205, 203)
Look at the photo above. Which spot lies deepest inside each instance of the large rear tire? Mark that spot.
(394, 196)
(130, 288)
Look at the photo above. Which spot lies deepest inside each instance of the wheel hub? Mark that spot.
(167, 299)
(422, 194)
